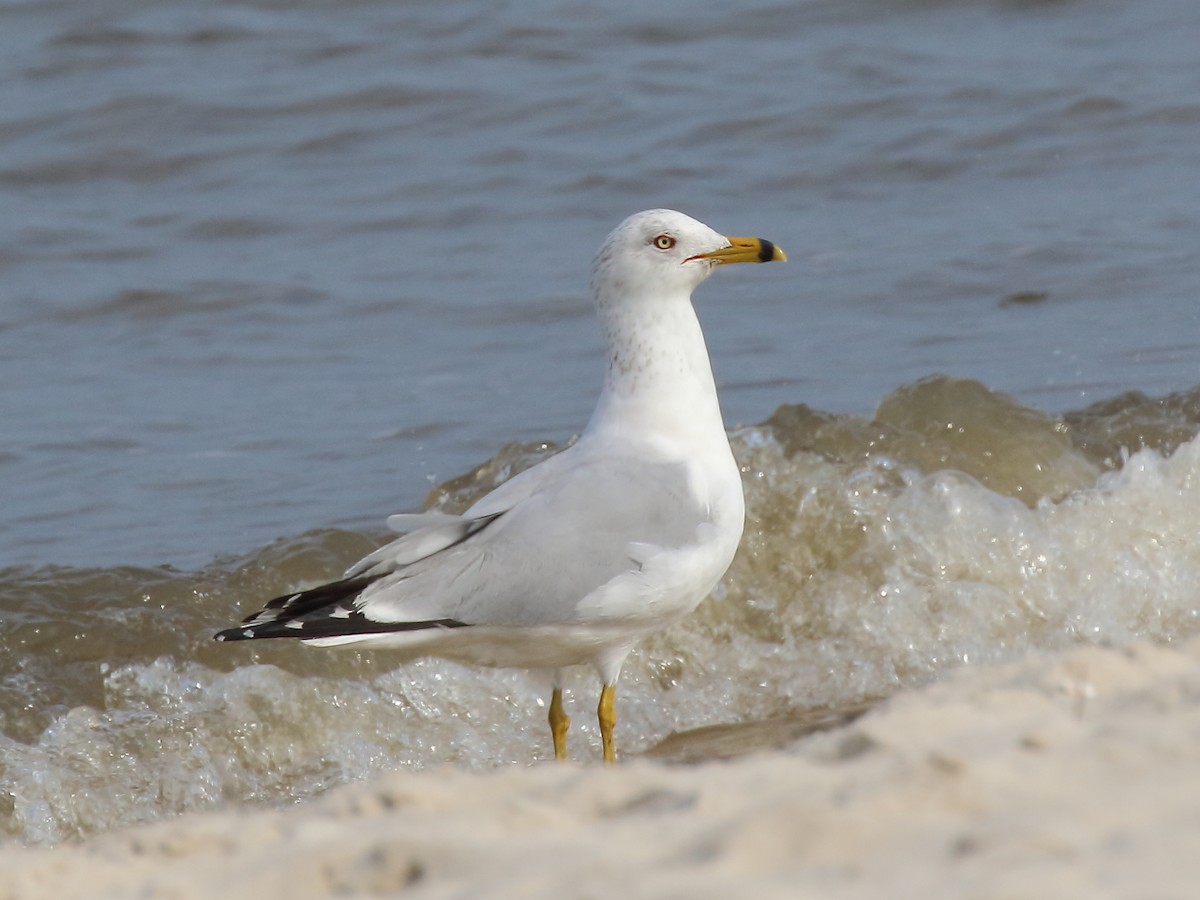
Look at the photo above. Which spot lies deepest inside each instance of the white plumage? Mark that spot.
(578, 558)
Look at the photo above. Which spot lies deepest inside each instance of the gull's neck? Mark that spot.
(659, 382)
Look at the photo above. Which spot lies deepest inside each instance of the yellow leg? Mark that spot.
(559, 723)
(607, 714)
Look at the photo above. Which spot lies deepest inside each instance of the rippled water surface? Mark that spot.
(269, 272)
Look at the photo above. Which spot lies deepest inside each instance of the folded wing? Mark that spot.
(526, 555)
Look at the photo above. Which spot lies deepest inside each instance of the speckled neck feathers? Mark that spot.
(659, 373)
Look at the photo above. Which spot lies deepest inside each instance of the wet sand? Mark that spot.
(1065, 775)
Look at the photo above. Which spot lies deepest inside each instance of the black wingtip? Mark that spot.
(354, 624)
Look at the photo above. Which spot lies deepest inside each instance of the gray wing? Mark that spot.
(525, 555)
(532, 564)
(432, 532)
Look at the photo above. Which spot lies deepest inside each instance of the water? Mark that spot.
(269, 272)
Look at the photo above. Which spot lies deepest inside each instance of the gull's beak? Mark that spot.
(745, 249)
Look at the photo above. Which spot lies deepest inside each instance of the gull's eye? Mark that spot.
(664, 242)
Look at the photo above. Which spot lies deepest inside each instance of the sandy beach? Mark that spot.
(1066, 775)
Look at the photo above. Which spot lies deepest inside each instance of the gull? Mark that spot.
(577, 559)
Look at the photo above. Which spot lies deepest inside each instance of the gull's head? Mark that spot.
(661, 251)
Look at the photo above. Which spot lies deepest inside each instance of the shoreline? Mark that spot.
(1059, 775)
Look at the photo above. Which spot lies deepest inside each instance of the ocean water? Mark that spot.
(270, 272)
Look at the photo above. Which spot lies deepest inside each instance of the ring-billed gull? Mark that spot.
(578, 558)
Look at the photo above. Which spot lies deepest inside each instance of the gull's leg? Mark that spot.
(606, 712)
(559, 723)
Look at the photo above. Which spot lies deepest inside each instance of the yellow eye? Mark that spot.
(664, 242)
